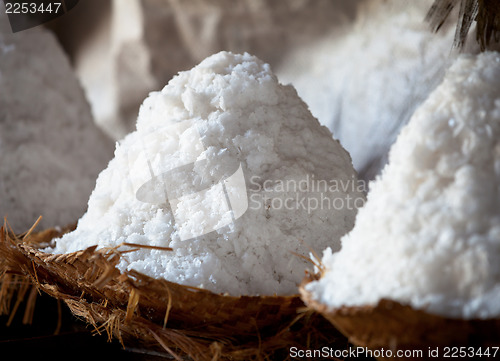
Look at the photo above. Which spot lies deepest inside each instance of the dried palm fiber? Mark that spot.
(390, 325)
(151, 313)
(486, 14)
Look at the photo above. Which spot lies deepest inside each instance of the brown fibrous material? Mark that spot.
(154, 314)
(390, 325)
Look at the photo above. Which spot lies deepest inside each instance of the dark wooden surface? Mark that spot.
(74, 341)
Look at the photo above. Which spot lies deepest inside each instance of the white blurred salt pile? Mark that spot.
(366, 82)
(50, 149)
(429, 234)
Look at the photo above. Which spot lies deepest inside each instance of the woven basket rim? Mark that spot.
(389, 324)
(131, 305)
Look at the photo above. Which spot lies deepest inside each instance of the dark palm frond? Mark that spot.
(486, 14)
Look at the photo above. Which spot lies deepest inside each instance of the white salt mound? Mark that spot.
(364, 82)
(429, 234)
(50, 149)
(227, 117)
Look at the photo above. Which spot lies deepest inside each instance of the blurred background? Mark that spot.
(70, 88)
(362, 66)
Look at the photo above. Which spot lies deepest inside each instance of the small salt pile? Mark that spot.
(50, 149)
(364, 82)
(230, 169)
(429, 234)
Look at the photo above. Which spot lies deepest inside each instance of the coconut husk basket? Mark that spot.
(154, 314)
(390, 325)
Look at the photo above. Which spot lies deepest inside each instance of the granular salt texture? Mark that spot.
(364, 82)
(429, 234)
(50, 150)
(226, 115)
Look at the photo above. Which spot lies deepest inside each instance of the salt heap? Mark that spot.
(228, 168)
(429, 234)
(50, 149)
(364, 82)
